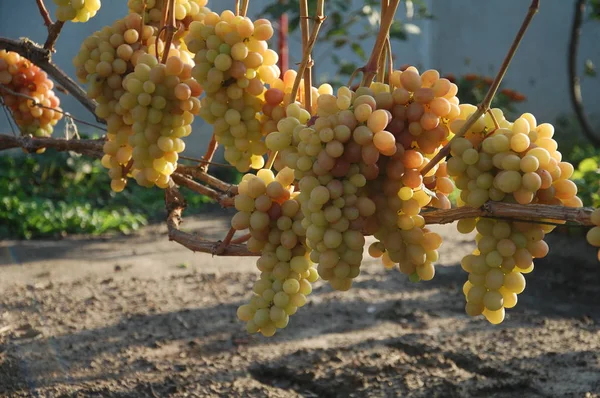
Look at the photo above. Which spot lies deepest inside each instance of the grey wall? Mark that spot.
(466, 36)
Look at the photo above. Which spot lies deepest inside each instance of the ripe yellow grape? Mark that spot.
(76, 10)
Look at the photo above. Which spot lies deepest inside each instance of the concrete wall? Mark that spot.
(465, 36)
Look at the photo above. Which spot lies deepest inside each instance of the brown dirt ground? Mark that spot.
(143, 317)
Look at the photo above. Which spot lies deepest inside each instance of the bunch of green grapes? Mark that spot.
(186, 11)
(593, 235)
(76, 10)
(505, 251)
(161, 101)
(353, 182)
(402, 238)
(233, 64)
(267, 208)
(21, 76)
(105, 60)
(516, 163)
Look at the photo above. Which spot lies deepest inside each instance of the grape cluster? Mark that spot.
(76, 10)
(517, 162)
(186, 11)
(423, 106)
(147, 112)
(593, 235)
(161, 101)
(356, 179)
(233, 64)
(267, 208)
(21, 76)
(505, 251)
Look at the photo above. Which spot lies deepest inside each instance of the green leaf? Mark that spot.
(358, 50)
(588, 165)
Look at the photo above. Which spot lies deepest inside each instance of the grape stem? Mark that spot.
(169, 30)
(210, 152)
(484, 106)
(224, 244)
(387, 18)
(241, 239)
(54, 28)
(381, 65)
(237, 7)
(304, 27)
(306, 53)
(271, 159)
(41, 57)
(244, 9)
(44, 13)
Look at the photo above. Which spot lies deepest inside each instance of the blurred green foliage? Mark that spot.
(54, 194)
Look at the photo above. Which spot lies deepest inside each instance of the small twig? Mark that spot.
(224, 244)
(304, 27)
(54, 28)
(237, 7)
(271, 159)
(244, 9)
(44, 13)
(485, 104)
(210, 152)
(206, 178)
(574, 81)
(370, 69)
(169, 30)
(53, 33)
(390, 63)
(494, 120)
(319, 18)
(242, 239)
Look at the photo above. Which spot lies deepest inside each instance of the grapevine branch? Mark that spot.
(485, 104)
(512, 211)
(221, 198)
(41, 57)
(175, 204)
(575, 84)
(91, 148)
